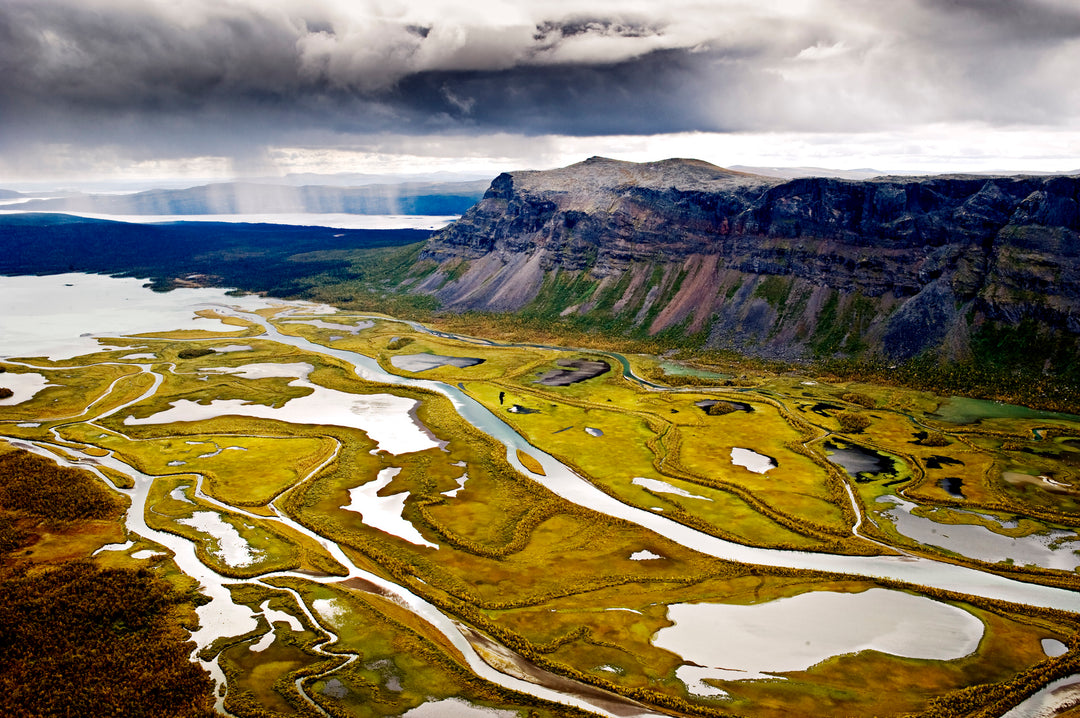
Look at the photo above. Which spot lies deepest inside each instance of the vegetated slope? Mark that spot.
(255, 257)
(78, 639)
(429, 198)
(807, 268)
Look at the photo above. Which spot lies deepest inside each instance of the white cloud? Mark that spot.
(822, 51)
(929, 149)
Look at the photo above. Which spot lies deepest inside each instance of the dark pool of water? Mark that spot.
(937, 462)
(861, 463)
(575, 370)
(953, 485)
(821, 408)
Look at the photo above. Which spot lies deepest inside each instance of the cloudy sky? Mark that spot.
(217, 88)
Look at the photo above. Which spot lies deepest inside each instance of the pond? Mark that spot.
(953, 485)
(456, 708)
(980, 543)
(725, 406)
(752, 461)
(231, 546)
(385, 418)
(746, 642)
(1053, 700)
(663, 487)
(424, 362)
(858, 461)
(675, 369)
(574, 371)
(384, 512)
(322, 324)
(962, 410)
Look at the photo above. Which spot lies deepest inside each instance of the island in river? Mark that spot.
(341, 536)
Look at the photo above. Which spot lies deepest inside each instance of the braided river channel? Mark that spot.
(63, 317)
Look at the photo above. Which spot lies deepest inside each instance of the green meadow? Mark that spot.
(576, 596)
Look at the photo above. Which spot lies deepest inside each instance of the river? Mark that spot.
(58, 334)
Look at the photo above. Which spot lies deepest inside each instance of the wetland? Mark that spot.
(356, 541)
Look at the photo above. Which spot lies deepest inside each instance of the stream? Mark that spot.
(220, 617)
(561, 480)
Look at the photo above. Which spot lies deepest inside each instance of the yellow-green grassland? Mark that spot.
(349, 590)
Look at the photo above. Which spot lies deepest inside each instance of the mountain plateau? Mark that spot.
(892, 267)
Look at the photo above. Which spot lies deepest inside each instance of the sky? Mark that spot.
(210, 89)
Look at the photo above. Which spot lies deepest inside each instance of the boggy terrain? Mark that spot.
(369, 542)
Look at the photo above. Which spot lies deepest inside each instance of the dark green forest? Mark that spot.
(76, 639)
(254, 257)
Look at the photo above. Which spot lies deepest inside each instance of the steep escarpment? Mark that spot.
(796, 269)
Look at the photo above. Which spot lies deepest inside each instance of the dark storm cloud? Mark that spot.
(995, 61)
(649, 95)
(74, 56)
(202, 74)
(75, 69)
(550, 29)
(1008, 20)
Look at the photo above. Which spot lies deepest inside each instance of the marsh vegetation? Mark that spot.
(376, 574)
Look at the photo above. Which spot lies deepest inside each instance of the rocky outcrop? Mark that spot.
(811, 266)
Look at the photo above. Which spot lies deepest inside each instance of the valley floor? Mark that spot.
(380, 519)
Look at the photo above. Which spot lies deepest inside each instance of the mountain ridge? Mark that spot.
(796, 269)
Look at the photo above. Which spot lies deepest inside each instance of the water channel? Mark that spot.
(563, 481)
(221, 617)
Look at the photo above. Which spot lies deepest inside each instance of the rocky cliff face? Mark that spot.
(800, 268)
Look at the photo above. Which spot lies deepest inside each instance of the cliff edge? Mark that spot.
(811, 267)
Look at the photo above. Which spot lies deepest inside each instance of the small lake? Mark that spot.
(746, 642)
(385, 418)
(23, 386)
(980, 543)
(335, 220)
(59, 315)
(859, 461)
(424, 362)
(962, 410)
(384, 512)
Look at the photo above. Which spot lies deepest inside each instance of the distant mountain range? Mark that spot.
(798, 172)
(890, 268)
(424, 198)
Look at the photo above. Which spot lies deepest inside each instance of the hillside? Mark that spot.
(254, 257)
(807, 268)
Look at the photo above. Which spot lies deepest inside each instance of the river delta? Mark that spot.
(389, 520)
